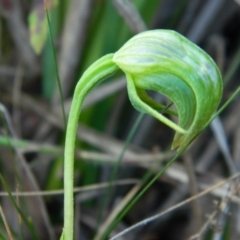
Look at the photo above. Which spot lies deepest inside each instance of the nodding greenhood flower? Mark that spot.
(167, 62)
(159, 60)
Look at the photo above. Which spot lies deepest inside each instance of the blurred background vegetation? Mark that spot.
(36, 51)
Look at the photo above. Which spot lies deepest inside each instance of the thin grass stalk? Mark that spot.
(56, 66)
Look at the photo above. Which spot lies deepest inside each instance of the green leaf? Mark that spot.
(38, 24)
(167, 62)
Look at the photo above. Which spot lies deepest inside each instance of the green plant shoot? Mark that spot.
(159, 60)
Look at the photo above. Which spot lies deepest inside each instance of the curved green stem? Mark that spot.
(97, 72)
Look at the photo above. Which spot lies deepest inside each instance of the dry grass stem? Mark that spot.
(6, 224)
(76, 189)
(120, 206)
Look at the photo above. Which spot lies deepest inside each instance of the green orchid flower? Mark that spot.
(170, 64)
(159, 60)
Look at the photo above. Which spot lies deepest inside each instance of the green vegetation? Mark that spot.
(112, 172)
